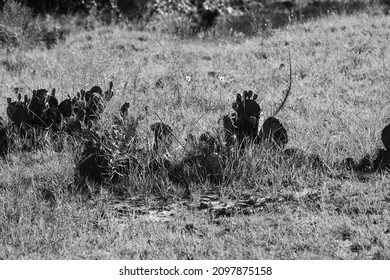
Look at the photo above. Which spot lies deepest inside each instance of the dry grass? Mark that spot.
(337, 109)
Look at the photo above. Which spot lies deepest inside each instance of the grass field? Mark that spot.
(337, 109)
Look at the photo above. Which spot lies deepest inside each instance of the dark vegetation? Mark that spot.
(234, 16)
(24, 24)
(20, 28)
(110, 156)
(75, 117)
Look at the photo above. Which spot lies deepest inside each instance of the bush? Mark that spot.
(245, 17)
(20, 28)
(180, 26)
(59, 6)
(17, 25)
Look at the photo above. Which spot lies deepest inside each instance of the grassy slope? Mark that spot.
(337, 109)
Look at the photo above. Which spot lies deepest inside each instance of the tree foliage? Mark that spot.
(129, 8)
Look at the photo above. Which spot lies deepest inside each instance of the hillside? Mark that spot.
(337, 109)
